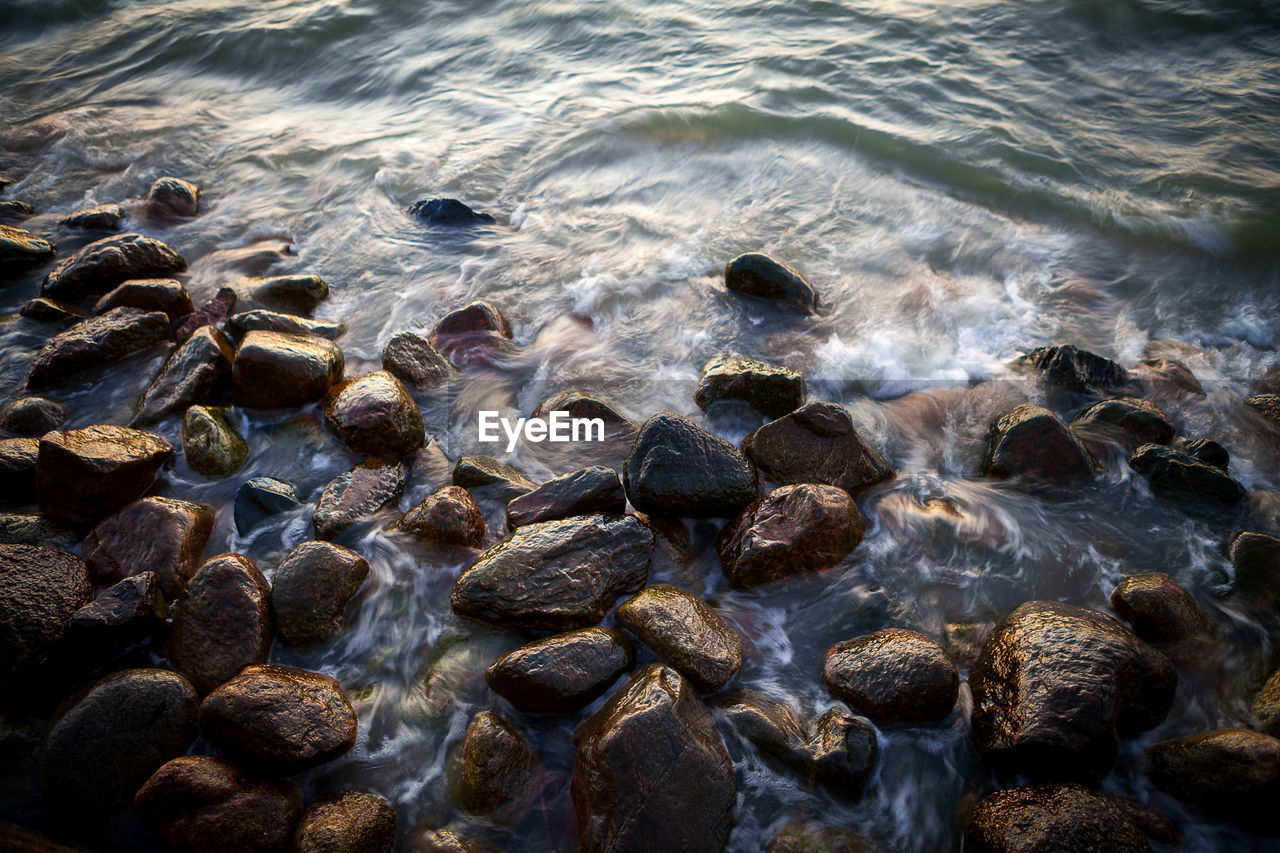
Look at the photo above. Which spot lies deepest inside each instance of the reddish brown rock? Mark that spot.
(816, 443)
(347, 822)
(161, 535)
(96, 342)
(1159, 610)
(212, 313)
(40, 590)
(311, 589)
(1051, 819)
(581, 492)
(85, 474)
(224, 623)
(893, 676)
(375, 415)
(447, 517)
(104, 264)
(277, 371)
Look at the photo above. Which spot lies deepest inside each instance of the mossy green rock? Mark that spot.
(211, 444)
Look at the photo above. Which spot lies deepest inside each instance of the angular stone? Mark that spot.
(32, 416)
(261, 498)
(1130, 419)
(173, 197)
(652, 773)
(197, 803)
(472, 334)
(447, 517)
(310, 592)
(557, 575)
(162, 535)
(500, 479)
(21, 528)
(581, 492)
(415, 361)
(374, 415)
(347, 822)
(770, 389)
(104, 264)
(40, 589)
(96, 342)
(1255, 559)
(1267, 405)
(1031, 442)
(497, 773)
(224, 623)
(1266, 705)
(52, 311)
(1209, 452)
(1068, 368)
(15, 211)
(212, 313)
(678, 469)
(684, 631)
(1159, 610)
(211, 444)
(893, 676)
(1051, 819)
(1181, 478)
(562, 673)
(817, 443)
(121, 615)
(101, 217)
(448, 211)
(357, 495)
(1232, 774)
(756, 274)
(85, 474)
(20, 250)
(279, 719)
(295, 294)
(260, 320)
(18, 470)
(278, 371)
(149, 294)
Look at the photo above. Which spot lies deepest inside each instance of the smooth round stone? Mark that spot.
(893, 676)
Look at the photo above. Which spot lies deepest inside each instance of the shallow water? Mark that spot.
(961, 181)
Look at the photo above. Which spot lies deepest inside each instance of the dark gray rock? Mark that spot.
(893, 676)
(21, 528)
(1232, 774)
(18, 470)
(173, 198)
(684, 631)
(817, 443)
(1209, 452)
(678, 469)
(1255, 559)
(562, 673)
(162, 535)
(1131, 420)
(770, 389)
(32, 416)
(15, 211)
(581, 492)
(149, 294)
(104, 264)
(261, 498)
(40, 589)
(357, 495)
(52, 311)
(448, 211)
(294, 294)
(496, 478)
(1181, 478)
(83, 475)
(96, 342)
(1068, 368)
(121, 615)
(310, 591)
(411, 357)
(224, 623)
(756, 274)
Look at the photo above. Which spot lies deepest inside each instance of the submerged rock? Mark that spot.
(100, 217)
(261, 498)
(415, 361)
(357, 495)
(173, 197)
(18, 470)
(1068, 368)
(756, 274)
(556, 575)
(211, 444)
(563, 673)
(1159, 610)
(791, 530)
(448, 211)
(32, 416)
(1051, 819)
(212, 313)
(678, 469)
(149, 294)
(1056, 685)
(497, 772)
(1134, 420)
(347, 822)
(224, 623)
(296, 294)
(96, 342)
(1032, 442)
(197, 803)
(1179, 477)
(310, 592)
(589, 407)
(817, 443)
(471, 335)
(581, 492)
(278, 371)
(40, 589)
(1229, 773)
(893, 676)
(162, 535)
(85, 474)
(261, 320)
(684, 631)
(104, 264)
(121, 615)
(20, 250)
(506, 483)
(279, 719)
(374, 415)
(652, 772)
(447, 517)
(770, 389)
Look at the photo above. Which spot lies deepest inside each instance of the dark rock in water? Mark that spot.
(101, 750)
(1255, 558)
(678, 469)
(1209, 452)
(211, 444)
(20, 250)
(212, 313)
(98, 341)
(83, 475)
(1167, 375)
(15, 211)
(447, 517)
(1051, 819)
(149, 294)
(197, 372)
(684, 631)
(357, 495)
(260, 320)
(1055, 686)
(348, 822)
(162, 535)
(411, 357)
(261, 498)
(498, 478)
(836, 750)
(652, 773)
(471, 335)
(1233, 774)
(448, 211)
(295, 294)
(40, 589)
(581, 492)
(1134, 420)
(816, 444)
(375, 415)
(1266, 705)
(173, 197)
(101, 217)
(1267, 405)
(497, 773)
(224, 623)
(791, 530)
(1180, 477)
(20, 528)
(104, 264)
(120, 616)
(563, 673)
(1159, 610)
(588, 407)
(52, 311)
(310, 592)
(1079, 371)
(893, 676)
(1151, 821)
(557, 575)
(198, 803)
(770, 389)
(760, 275)
(278, 371)
(800, 837)
(18, 470)
(279, 719)
(1032, 442)
(32, 416)
(18, 840)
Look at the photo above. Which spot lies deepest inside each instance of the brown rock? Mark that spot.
(161, 535)
(173, 197)
(684, 631)
(497, 773)
(1267, 405)
(471, 335)
(261, 320)
(447, 517)
(679, 469)
(1032, 442)
(276, 371)
(1255, 558)
(357, 495)
(32, 416)
(52, 311)
(581, 492)
(212, 313)
(893, 676)
(197, 372)
(770, 389)
(1159, 610)
(816, 443)
(224, 623)
(121, 615)
(757, 274)
(1051, 819)
(1131, 420)
(96, 342)
(149, 294)
(348, 822)
(40, 589)
(85, 474)
(109, 262)
(20, 250)
(1266, 705)
(1229, 773)
(563, 673)
(297, 294)
(18, 470)
(101, 217)
(375, 415)
(500, 479)
(311, 589)
(415, 361)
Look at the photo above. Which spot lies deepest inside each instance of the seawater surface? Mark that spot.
(961, 181)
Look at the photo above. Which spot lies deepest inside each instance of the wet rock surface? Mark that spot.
(295, 294)
(496, 478)
(224, 623)
(357, 495)
(447, 517)
(1209, 452)
(52, 311)
(24, 528)
(653, 730)
(100, 217)
(558, 575)
(210, 443)
(1266, 706)
(413, 359)
(1134, 420)
(678, 469)
(1267, 405)
(1068, 368)
(817, 443)
(893, 676)
(497, 770)
(107, 263)
(562, 673)
(85, 474)
(124, 613)
(40, 590)
(375, 415)
(1233, 774)
(471, 335)
(96, 342)
(348, 822)
(684, 631)
(261, 320)
(1051, 819)
(278, 371)
(770, 389)
(20, 250)
(260, 498)
(212, 313)
(1181, 478)
(1255, 559)
(448, 211)
(149, 294)
(173, 197)
(1031, 442)
(311, 589)
(1158, 609)
(31, 416)
(18, 470)
(800, 837)
(162, 535)
(581, 492)
(756, 274)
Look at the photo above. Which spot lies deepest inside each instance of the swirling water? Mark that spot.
(961, 180)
